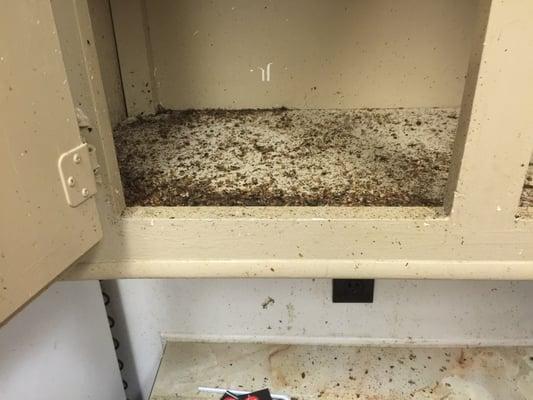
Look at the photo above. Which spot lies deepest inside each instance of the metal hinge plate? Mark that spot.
(77, 174)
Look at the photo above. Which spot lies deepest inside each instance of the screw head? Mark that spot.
(71, 181)
(85, 192)
(76, 158)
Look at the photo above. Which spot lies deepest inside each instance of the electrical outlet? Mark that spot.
(353, 290)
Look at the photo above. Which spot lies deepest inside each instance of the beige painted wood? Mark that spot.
(135, 56)
(495, 134)
(312, 242)
(324, 54)
(481, 239)
(77, 41)
(106, 49)
(316, 268)
(40, 234)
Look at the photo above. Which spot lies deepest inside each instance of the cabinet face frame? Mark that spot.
(477, 235)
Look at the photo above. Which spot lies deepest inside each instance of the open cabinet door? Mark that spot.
(47, 219)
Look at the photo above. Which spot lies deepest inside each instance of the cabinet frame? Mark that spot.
(480, 233)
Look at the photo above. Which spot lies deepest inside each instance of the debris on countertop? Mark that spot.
(287, 157)
(312, 372)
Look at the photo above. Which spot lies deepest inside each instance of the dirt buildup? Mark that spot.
(526, 200)
(268, 302)
(282, 157)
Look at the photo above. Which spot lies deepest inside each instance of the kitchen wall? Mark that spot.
(437, 313)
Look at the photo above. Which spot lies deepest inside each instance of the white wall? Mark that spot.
(422, 312)
(60, 347)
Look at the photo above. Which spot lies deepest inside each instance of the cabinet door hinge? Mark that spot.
(76, 169)
(78, 166)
